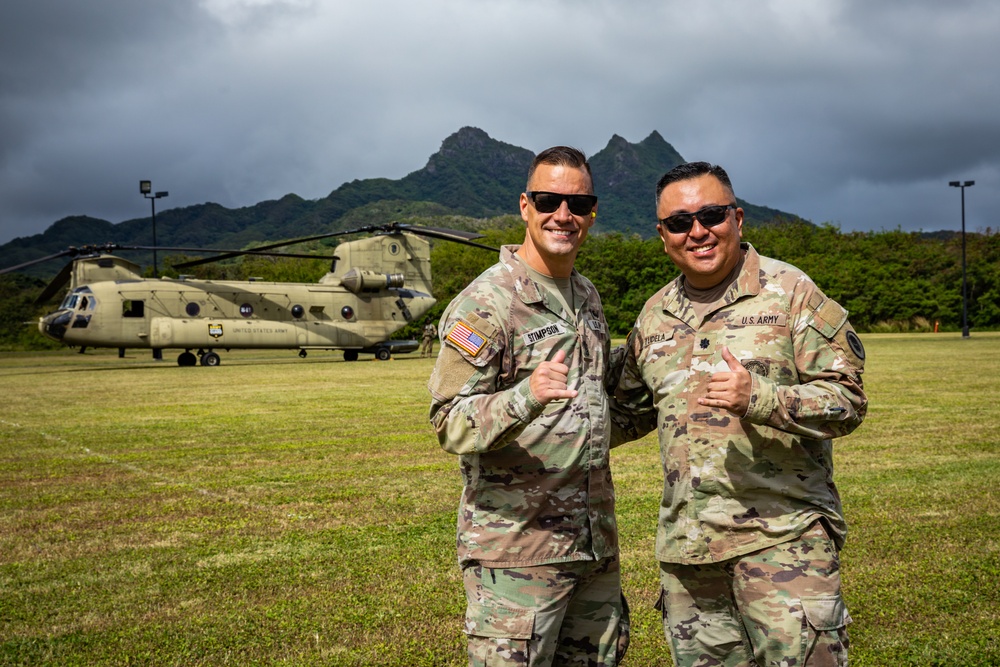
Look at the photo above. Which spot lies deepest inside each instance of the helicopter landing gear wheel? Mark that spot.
(382, 354)
(186, 359)
(210, 359)
(350, 355)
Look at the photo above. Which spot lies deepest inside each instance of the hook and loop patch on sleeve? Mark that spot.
(466, 337)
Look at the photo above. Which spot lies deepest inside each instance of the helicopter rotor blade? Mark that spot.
(453, 235)
(69, 251)
(389, 228)
(55, 285)
(229, 254)
(236, 253)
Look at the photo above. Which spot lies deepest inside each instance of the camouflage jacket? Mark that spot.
(537, 479)
(731, 485)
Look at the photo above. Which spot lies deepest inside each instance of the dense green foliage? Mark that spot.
(889, 281)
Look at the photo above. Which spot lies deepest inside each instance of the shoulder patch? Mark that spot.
(854, 342)
(832, 313)
(828, 319)
(465, 337)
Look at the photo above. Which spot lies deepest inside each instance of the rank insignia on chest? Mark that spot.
(704, 344)
(466, 338)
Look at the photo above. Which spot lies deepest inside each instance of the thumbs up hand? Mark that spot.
(548, 380)
(729, 390)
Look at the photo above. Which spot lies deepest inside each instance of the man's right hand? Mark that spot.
(548, 380)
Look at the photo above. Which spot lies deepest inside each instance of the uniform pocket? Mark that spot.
(825, 612)
(498, 636)
(824, 636)
(501, 622)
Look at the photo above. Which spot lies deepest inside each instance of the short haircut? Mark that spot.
(564, 156)
(683, 172)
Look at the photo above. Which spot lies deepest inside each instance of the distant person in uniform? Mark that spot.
(427, 340)
(518, 393)
(747, 371)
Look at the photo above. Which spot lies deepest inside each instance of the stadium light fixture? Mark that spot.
(146, 188)
(965, 298)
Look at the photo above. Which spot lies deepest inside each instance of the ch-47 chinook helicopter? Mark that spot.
(376, 285)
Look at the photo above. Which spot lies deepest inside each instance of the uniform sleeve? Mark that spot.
(829, 400)
(473, 410)
(633, 413)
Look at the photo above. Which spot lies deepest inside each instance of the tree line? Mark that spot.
(888, 280)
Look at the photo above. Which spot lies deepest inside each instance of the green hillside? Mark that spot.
(472, 175)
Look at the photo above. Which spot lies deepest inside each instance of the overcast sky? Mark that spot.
(846, 111)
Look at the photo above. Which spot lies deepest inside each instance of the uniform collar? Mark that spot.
(528, 291)
(747, 284)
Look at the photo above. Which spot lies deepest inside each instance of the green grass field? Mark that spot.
(280, 511)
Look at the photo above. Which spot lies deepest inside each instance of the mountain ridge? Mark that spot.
(471, 175)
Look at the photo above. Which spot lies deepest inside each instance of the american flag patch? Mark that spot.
(466, 338)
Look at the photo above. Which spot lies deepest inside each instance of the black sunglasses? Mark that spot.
(709, 216)
(549, 202)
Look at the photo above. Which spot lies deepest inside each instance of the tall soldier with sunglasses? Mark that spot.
(747, 371)
(519, 393)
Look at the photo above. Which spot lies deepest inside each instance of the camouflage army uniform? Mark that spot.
(427, 340)
(537, 538)
(749, 501)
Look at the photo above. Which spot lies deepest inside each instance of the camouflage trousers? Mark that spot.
(427, 347)
(557, 614)
(778, 607)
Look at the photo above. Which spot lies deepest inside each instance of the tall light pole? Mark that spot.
(146, 188)
(965, 298)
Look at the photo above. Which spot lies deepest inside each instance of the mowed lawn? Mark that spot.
(281, 511)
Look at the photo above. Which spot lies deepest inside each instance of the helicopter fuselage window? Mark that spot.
(192, 309)
(133, 308)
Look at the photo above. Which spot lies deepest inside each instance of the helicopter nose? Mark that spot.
(54, 325)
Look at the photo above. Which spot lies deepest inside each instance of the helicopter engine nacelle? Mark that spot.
(369, 281)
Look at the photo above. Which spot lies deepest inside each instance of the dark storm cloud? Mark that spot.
(839, 111)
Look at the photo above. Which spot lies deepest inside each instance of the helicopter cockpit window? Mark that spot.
(133, 308)
(69, 303)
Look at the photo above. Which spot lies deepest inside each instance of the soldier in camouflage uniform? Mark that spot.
(427, 340)
(747, 371)
(519, 394)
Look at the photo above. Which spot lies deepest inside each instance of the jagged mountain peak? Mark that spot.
(472, 174)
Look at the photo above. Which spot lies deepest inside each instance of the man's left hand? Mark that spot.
(731, 390)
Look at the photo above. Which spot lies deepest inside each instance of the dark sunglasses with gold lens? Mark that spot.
(549, 202)
(709, 216)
